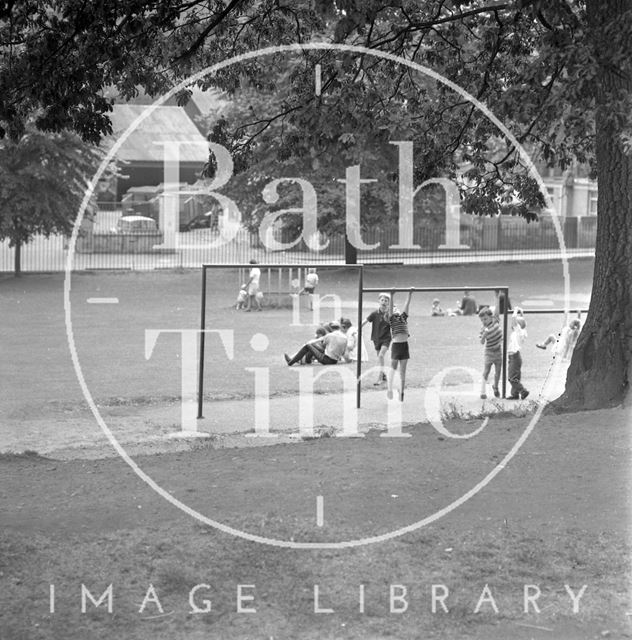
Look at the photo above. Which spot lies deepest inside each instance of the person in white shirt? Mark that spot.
(253, 287)
(329, 349)
(514, 358)
(311, 282)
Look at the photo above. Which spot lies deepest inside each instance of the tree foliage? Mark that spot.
(43, 179)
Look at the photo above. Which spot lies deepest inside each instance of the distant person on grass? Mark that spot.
(242, 297)
(328, 349)
(436, 309)
(400, 353)
(311, 282)
(380, 332)
(468, 306)
(500, 302)
(254, 295)
(565, 343)
(514, 358)
(491, 337)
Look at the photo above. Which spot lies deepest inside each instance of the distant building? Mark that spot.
(141, 156)
(573, 193)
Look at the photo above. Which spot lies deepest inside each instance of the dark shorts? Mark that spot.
(382, 343)
(308, 289)
(399, 351)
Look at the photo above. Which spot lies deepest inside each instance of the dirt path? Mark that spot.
(573, 469)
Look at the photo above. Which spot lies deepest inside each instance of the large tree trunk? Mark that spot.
(601, 367)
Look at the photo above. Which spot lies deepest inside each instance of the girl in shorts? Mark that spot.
(399, 347)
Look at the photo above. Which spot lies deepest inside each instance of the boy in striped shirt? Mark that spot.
(492, 337)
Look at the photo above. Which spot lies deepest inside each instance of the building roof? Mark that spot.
(163, 124)
(207, 102)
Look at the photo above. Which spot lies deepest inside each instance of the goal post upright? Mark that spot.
(359, 340)
(393, 290)
(202, 335)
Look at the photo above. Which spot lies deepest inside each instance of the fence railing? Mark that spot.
(486, 239)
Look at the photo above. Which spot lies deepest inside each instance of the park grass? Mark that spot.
(177, 558)
(110, 338)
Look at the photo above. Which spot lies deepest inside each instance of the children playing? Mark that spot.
(400, 354)
(491, 337)
(328, 349)
(380, 332)
(514, 358)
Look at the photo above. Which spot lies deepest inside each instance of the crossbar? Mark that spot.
(429, 289)
(554, 310)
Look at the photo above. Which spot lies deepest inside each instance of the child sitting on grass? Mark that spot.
(436, 308)
(242, 297)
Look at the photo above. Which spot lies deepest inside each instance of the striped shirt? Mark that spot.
(492, 337)
(399, 324)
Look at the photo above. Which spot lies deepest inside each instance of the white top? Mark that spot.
(311, 280)
(335, 344)
(566, 343)
(516, 339)
(255, 274)
(351, 354)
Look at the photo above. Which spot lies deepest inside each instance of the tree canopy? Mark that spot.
(43, 179)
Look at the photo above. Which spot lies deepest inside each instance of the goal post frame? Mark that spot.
(263, 265)
(392, 290)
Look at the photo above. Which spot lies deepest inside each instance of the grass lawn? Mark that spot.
(555, 519)
(110, 339)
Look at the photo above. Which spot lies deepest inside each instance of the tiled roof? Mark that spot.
(162, 124)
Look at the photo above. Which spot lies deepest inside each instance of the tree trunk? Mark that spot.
(601, 365)
(351, 253)
(17, 260)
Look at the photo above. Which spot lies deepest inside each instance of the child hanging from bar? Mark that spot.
(400, 353)
(565, 342)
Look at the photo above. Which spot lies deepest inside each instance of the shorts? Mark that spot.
(399, 351)
(382, 343)
(309, 289)
(493, 358)
(253, 289)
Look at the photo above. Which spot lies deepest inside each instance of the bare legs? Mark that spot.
(381, 376)
(402, 377)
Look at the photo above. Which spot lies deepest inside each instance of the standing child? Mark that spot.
(514, 358)
(242, 296)
(253, 287)
(400, 353)
(380, 332)
(492, 337)
(311, 282)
